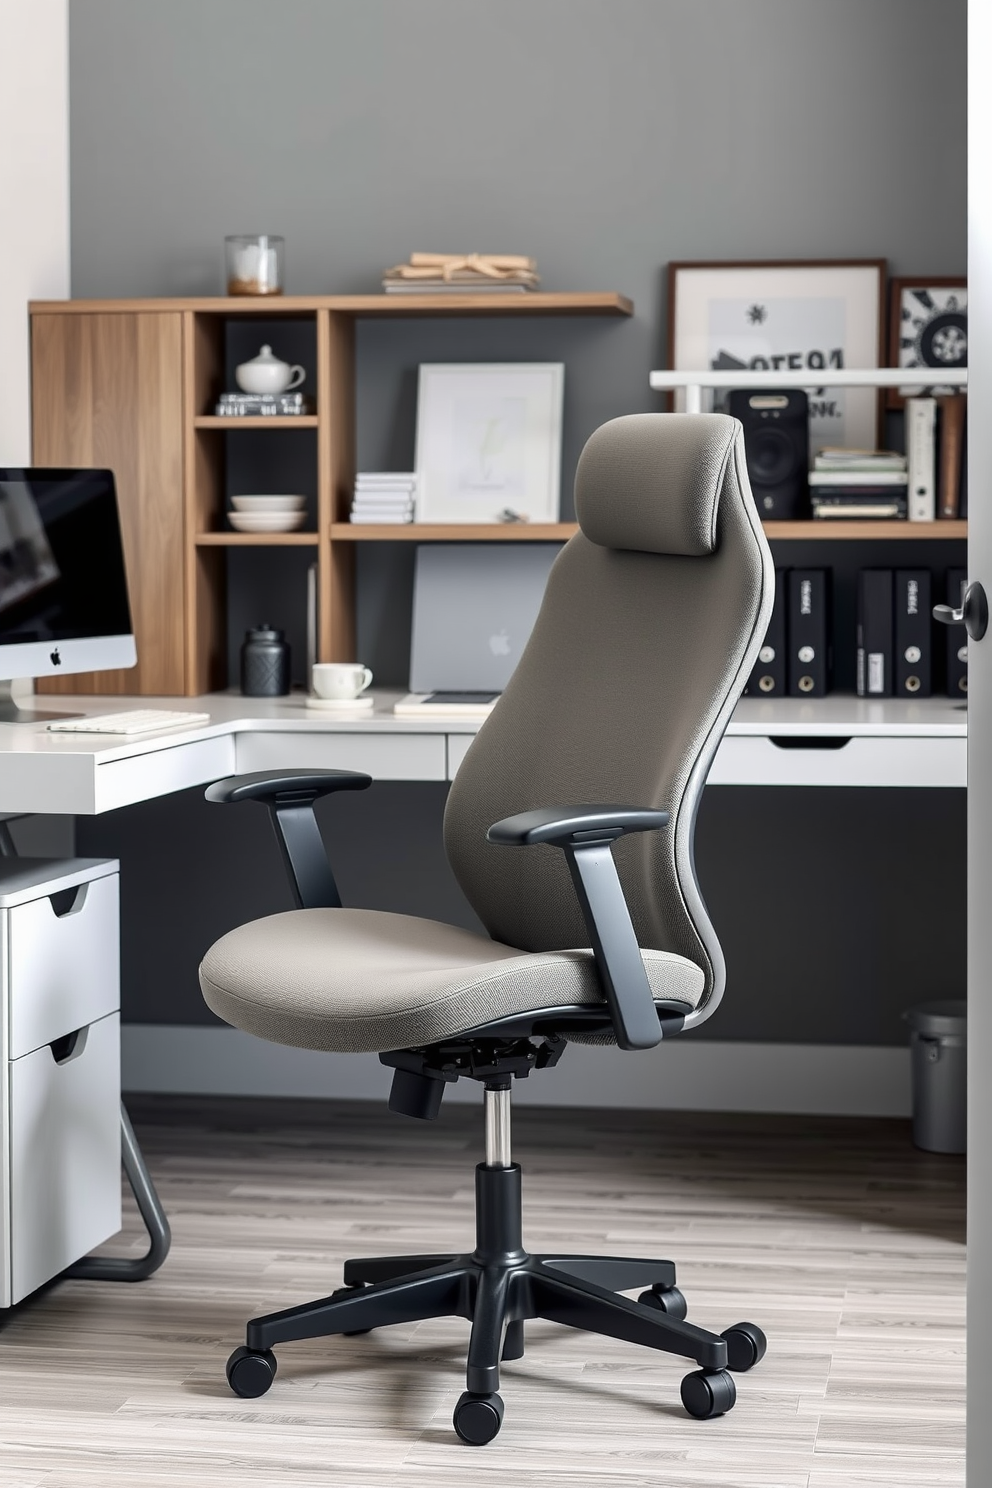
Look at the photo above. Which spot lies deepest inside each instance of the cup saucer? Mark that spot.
(341, 705)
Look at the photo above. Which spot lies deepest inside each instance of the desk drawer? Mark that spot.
(744, 759)
(381, 755)
(65, 1155)
(63, 970)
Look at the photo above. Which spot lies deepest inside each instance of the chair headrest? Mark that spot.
(652, 481)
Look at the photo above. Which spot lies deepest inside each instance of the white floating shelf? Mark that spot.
(916, 377)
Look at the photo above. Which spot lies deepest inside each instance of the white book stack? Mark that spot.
(384, 496)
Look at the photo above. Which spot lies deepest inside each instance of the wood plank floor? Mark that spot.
(838, 1237)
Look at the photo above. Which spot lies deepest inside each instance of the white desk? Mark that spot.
(788, 742)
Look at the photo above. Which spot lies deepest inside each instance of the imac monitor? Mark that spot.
(63, 586)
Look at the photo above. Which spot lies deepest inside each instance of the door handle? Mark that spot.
(973, 614)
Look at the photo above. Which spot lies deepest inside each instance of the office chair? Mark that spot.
(570, 829)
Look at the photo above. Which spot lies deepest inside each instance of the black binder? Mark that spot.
(913, 633)
(957, 636)
(767, 678)
(809, 632)
(874, 632)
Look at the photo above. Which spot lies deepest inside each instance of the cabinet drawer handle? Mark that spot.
(68, 901)
(69, 1046)
(809, 741)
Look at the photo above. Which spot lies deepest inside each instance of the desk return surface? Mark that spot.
(827, 741)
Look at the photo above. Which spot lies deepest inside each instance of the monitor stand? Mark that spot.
(21, 690)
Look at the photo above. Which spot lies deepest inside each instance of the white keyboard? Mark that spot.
(134, 721)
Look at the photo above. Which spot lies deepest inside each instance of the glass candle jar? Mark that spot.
(255, 264)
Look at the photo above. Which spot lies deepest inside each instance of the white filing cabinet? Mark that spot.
(60, 1144)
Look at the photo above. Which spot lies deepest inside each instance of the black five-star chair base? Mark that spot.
(498, 1287)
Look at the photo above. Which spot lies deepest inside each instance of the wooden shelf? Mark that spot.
(814, 530)
(450, 532)
(260, 421)
(562, 531)
(399, 305)
(257, 539)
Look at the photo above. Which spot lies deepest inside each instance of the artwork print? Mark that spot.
(784, 317)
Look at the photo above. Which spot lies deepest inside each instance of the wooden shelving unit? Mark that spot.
(131, 384)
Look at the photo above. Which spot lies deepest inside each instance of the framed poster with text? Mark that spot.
(785, 317)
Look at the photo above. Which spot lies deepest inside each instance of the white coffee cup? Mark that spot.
(340, 680)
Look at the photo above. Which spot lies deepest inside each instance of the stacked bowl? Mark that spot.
(268, 513)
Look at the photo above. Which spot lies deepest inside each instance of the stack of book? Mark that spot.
(462, 273)
(265, 405)
(935, 444)
(856, 483)
(384, 496)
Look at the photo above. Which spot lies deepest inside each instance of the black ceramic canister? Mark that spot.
(265, 670)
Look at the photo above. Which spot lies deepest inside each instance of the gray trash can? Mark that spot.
(938, 1040)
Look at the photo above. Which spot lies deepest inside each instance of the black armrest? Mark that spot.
(267, 785)
(585, 835)
(559, 824)
(290, 796)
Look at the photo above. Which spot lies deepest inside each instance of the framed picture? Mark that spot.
(489, 441)
(785, 316)
(928, 327)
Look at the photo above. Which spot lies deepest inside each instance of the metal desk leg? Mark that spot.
(121, 1268)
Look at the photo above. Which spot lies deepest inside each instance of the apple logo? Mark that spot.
(56, 658)
(499, 644)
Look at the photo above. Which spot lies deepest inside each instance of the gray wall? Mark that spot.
(606, 137)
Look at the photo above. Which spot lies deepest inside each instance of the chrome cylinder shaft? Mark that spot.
(498, 1128)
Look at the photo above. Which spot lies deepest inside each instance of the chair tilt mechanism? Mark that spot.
(650, 625)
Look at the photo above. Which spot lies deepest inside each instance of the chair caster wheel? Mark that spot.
(708, 1392)
(347, 1291)
(478, 1418)
(746, 1345)
(671, 1302)
(250, 1372)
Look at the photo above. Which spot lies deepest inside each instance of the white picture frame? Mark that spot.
(789, 316)
(489, 441)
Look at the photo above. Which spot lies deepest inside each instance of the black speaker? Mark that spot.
(776, 437)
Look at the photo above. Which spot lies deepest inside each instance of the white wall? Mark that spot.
(34, 195)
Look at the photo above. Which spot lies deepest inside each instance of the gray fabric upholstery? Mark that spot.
(651, 621)
(623, 691)
(362, 980)
(630, 495)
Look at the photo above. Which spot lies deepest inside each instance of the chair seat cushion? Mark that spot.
(359, 980)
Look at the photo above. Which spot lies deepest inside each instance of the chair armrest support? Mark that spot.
(290, 796)
(585, 834)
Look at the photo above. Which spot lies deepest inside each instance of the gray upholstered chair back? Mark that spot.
(651, 622)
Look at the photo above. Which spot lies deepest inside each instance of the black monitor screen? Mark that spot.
(62, 573)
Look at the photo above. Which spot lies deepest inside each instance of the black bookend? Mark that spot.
(875, 632)
(913, 633)
(767, 678)
(809, 632)
(957, 636)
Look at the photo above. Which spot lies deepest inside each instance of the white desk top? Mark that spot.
(85, 774)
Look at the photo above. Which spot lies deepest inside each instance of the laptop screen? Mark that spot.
(474, 606)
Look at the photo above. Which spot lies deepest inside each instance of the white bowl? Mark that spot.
(268, 503)
(267, 521)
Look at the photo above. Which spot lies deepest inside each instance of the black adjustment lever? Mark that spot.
(973, 614)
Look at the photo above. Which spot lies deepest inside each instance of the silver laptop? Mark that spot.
(474, 606)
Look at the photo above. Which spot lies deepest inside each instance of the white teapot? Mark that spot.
(267, 374)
